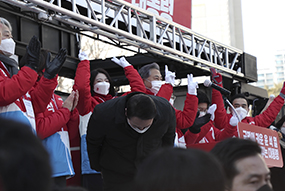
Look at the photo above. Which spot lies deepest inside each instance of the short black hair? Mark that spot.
(24, 162)
(203, 98)
(94, 73)
(177, 169)
(232, 149)
(141, 106)
(239, 96)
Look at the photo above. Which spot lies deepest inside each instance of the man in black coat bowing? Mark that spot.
(124, 131)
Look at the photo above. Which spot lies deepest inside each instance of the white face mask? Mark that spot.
(102, 88)
(137, 129)
(202, 113)
(7, 46)
(155, 86)
(241, 112)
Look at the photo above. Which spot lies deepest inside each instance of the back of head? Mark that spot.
(177, 169)
(231, 150)
(203, 98)
(94, 73)
(24, 162)
(141, 106)
(145, 70)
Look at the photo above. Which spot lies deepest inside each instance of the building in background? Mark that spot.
(220, 20)
(274, 74)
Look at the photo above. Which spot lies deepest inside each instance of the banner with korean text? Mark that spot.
(178, 11)
(267, 139)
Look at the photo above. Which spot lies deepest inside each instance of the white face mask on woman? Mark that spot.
(7, 46)
(241, 112)
(155, 86)
(102, 88)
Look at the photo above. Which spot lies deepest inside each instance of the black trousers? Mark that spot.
(92, 182)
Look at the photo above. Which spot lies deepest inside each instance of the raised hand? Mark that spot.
(192, 86)
(54, 66)
(169, 76)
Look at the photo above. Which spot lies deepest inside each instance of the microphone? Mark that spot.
(224, 91)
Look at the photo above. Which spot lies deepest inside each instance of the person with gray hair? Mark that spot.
(15, 101)
(152, 79)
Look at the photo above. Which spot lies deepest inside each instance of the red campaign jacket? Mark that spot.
(186, 118)
(209, 133)
(165, 91)
(265, 119)
(86, 102)
(55, 117)
(15, 87)
(42, 92)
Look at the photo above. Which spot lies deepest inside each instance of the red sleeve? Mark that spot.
(82, 84)
(269, 115)
(190, 138)
(165, 91)
(135, 79)
(222, 119)
(13, 88)
(227, 132)
(186, 118)
(49, 125)
(73, 124)
(42, 92)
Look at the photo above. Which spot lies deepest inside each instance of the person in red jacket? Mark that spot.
(15, 101)
(59, 121)
(240, 104)
(152, 79)
(207, 133)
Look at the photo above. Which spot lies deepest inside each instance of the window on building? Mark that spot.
(269, 81)
(279, 57)
(260, 75)
(279, 68)
(279, 62)
(280, 74)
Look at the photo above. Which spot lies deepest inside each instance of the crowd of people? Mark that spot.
(137, 141)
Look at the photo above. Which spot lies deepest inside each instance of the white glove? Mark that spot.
(234, 120)
(192, 86)
(122, 62)
(212, 110)
(82, 55)
(169, 76)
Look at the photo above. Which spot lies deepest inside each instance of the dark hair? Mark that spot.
(203, 98)
(239, 96)
(141, 106)
(145, 70)
(24, 162)
(94, 73)
(231, 150)
(43, 58)
(177, 169)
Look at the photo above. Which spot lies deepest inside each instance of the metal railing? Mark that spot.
(141, 29)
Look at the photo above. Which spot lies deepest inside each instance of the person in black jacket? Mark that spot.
(124, 131)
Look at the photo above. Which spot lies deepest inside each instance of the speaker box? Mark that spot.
(249, 67)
